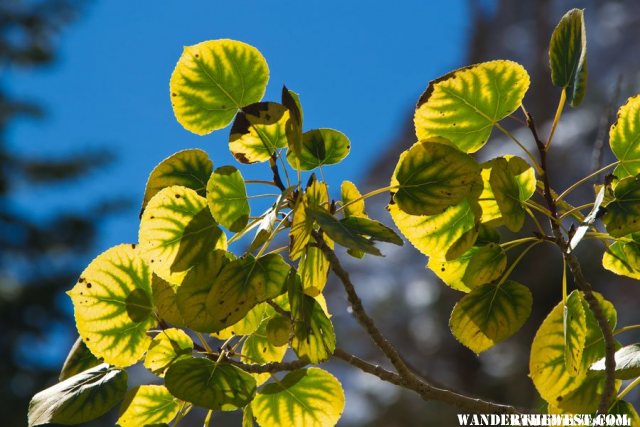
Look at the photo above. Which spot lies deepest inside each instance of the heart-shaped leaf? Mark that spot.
(320, 147)
(623, 138)
(227, 198)
(148, 405)
(621, 216)
(623, 258)
(168, 346)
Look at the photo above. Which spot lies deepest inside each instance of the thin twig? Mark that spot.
(605, 121)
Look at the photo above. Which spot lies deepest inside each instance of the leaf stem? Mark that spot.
(556, 119)
(583, 180)
(204, 342)
(367, 195)
(535, 163)
(575, 209)
(625, 329)
(628, 388)
(207, 419)
(515, 262)
(260, 181)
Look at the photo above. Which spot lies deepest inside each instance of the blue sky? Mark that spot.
(358, 66)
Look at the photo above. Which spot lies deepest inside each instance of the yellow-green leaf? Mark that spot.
(351, 200)
(148, 405)
(213, 385)
(278, 330)
(227, 198)
(490, 314)
(214, 79)
(478, 266)
(80, 398)
(575, 333)
(313, 269)
(624, 136)
(164, 299)
(568, 56)
(168, 346)
(512, 182)
(448, 235)
(188, 168)
(623, 258)
(465, 104)
(78, 360)
(291, 100)
(242, 284)
(620, 407)
(320, 147)
(342, 233)
(585, 399)
(248, 324)
(177, 231)
(621, 216)
(308, 397)
(317, 196)
(372, 229)
(113, 307)
(258, 349)
(258, 131)
(432, 176)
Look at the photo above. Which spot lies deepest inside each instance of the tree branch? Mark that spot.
(425, 390)
(576, 271)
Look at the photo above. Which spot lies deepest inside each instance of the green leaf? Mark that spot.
(342, 233)
(248, 324)
(205, 383)
(512, 182)
(188, 168)
(113, 307)
(148, 405)
(308, 397)
(168, 346)
(247, 416)
(447, 235)
(373, 229)
(258, 131)
(320, 147)
(258, 349)
(78, 360)
(352, 200)
(265, 226)
(177, 232)
(214, 79)
(314, 270)
(568, 56)
(623, 258)
(585, 399)
(278, 330)
(490, 314)
(623, 138)
(621, 216)
(478, 266)
(432, 176)
(164, 299)
(464, 105)
(627, 362)
(313, 335)
(291, 100)
(620, 407)
(80, 398)
(575, 333)
(547, 366)
(242, 284)
(227, 198)
(316, 196)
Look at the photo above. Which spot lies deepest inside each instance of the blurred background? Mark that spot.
(85, 116)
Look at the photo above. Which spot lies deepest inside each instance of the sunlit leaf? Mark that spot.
(247, 416)
(623, 258)
(227, 198)
(177, 231)
(575, 333)
(205, 383)
(547, 366)
(188, 168)
(291, 100)
(148, 405)
(512, 182)
(478, 266)
(432, 176)
(214, 79)
(78, 360)
(258, 349)
(314, 269)
(623, 138)
(622, 214)
(313, 335)
(113, 307)
(627, 362)
(304, 398)
(164, 299)
(320, 147)
(351, 200)
(372, 229)
(80, 398)
(265, 227)
(490, 314)
(342, 233)
(165, 348)
(448, 235)
(464, 105)
(248, 324)
(242, 284)
(568, 56)
(585, 399)
(315, 196)
(278, 330)
(258, 131)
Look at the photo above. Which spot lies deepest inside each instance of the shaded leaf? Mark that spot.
(373, 229)
(177, 232)
(568, 56)
(258, 131)
(622, 216)
(575, 333)
(432, 176)
(80, 398)
(205, 383)
(168, 346)
(212, 80)
(227, 198)
(291, 100)
(465, 104)
(489, 314)
(258, 349)
(113, 307)
(148, 405)
(78, 360)
(308, 397)
(342, 233)
(627, 362)
(320, 147)
(164, 298)
(512, 182)
(620, 407)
